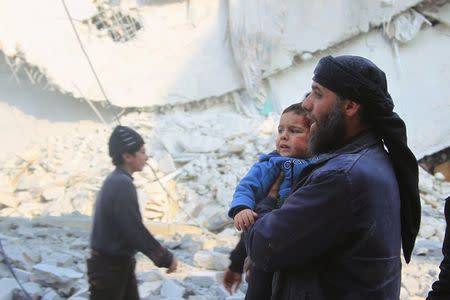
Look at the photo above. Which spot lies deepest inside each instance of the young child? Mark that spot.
(290, 157)
(118, 232)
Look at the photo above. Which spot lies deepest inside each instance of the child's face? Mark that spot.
(293, 135)
(136, 162)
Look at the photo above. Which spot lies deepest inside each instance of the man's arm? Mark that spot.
(237, 256)
(441, 288)
(126, 212)
(311, 222)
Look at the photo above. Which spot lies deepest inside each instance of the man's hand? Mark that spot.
(244, 218)
(231, 281)
(247, 265)
(173, 266)
(275, 188)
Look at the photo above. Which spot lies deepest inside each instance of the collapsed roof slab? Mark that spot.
(418, 86)
(177, 57)
(318, 25)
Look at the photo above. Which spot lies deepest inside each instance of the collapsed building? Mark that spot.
(204, 82)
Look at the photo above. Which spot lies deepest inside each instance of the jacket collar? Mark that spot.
(363, 140)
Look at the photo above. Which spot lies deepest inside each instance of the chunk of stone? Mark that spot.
(7, 287)
(53, 193)
(22, 275)
(202, 279)
(152, 275)
(166, 164)
(197, 143)
(53, 276)
(147, 289)
(32, 288)
(211, 260)
(51, 295)
(8, 200)
(218, 221)
(171, 289)
(58, 259)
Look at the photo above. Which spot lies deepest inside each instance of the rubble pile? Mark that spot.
(196, 159)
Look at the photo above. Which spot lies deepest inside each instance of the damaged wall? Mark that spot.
(417, 86)
(185, 51)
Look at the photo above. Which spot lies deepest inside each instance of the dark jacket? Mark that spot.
(117, 228)
(237, 256)
(441, 288)
(337, 236)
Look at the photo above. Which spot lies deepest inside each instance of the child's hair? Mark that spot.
(297, 107)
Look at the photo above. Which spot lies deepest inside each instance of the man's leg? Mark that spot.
(107, 279)
(131, 289)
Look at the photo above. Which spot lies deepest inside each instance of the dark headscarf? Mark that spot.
(124, 139)
(358, 79)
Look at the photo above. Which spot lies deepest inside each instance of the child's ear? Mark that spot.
(126, 156)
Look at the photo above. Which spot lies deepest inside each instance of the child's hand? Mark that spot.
(244, 218)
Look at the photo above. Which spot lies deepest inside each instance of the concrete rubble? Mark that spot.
(45, 223)
(204, 87)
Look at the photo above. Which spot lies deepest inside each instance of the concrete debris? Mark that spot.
(7, 287)
(256, 29)
(211, 260)
(171, 289)
(50, 251)
(52, 275)
(441, 14)
(405, 27)
(241, 42)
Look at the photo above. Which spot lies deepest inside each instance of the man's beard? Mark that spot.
(328, 133)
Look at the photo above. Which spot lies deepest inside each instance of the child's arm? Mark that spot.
(246, 191)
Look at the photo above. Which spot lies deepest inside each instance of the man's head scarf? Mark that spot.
(360, 80)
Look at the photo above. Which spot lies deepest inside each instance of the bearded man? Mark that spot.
(340, 232)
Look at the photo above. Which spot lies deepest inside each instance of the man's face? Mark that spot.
(328, 123)
(293, 135)
(136, 161)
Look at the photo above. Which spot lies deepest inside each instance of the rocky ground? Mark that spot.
(47, 194)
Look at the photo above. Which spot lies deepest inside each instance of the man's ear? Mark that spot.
(351, 108)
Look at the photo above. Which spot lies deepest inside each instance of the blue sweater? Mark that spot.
(256, 184)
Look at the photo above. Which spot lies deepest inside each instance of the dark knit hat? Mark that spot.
(360, 80)
(124, 139)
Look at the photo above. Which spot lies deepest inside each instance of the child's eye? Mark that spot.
(280, 130)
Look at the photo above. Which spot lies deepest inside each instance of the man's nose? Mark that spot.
(307, 103)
